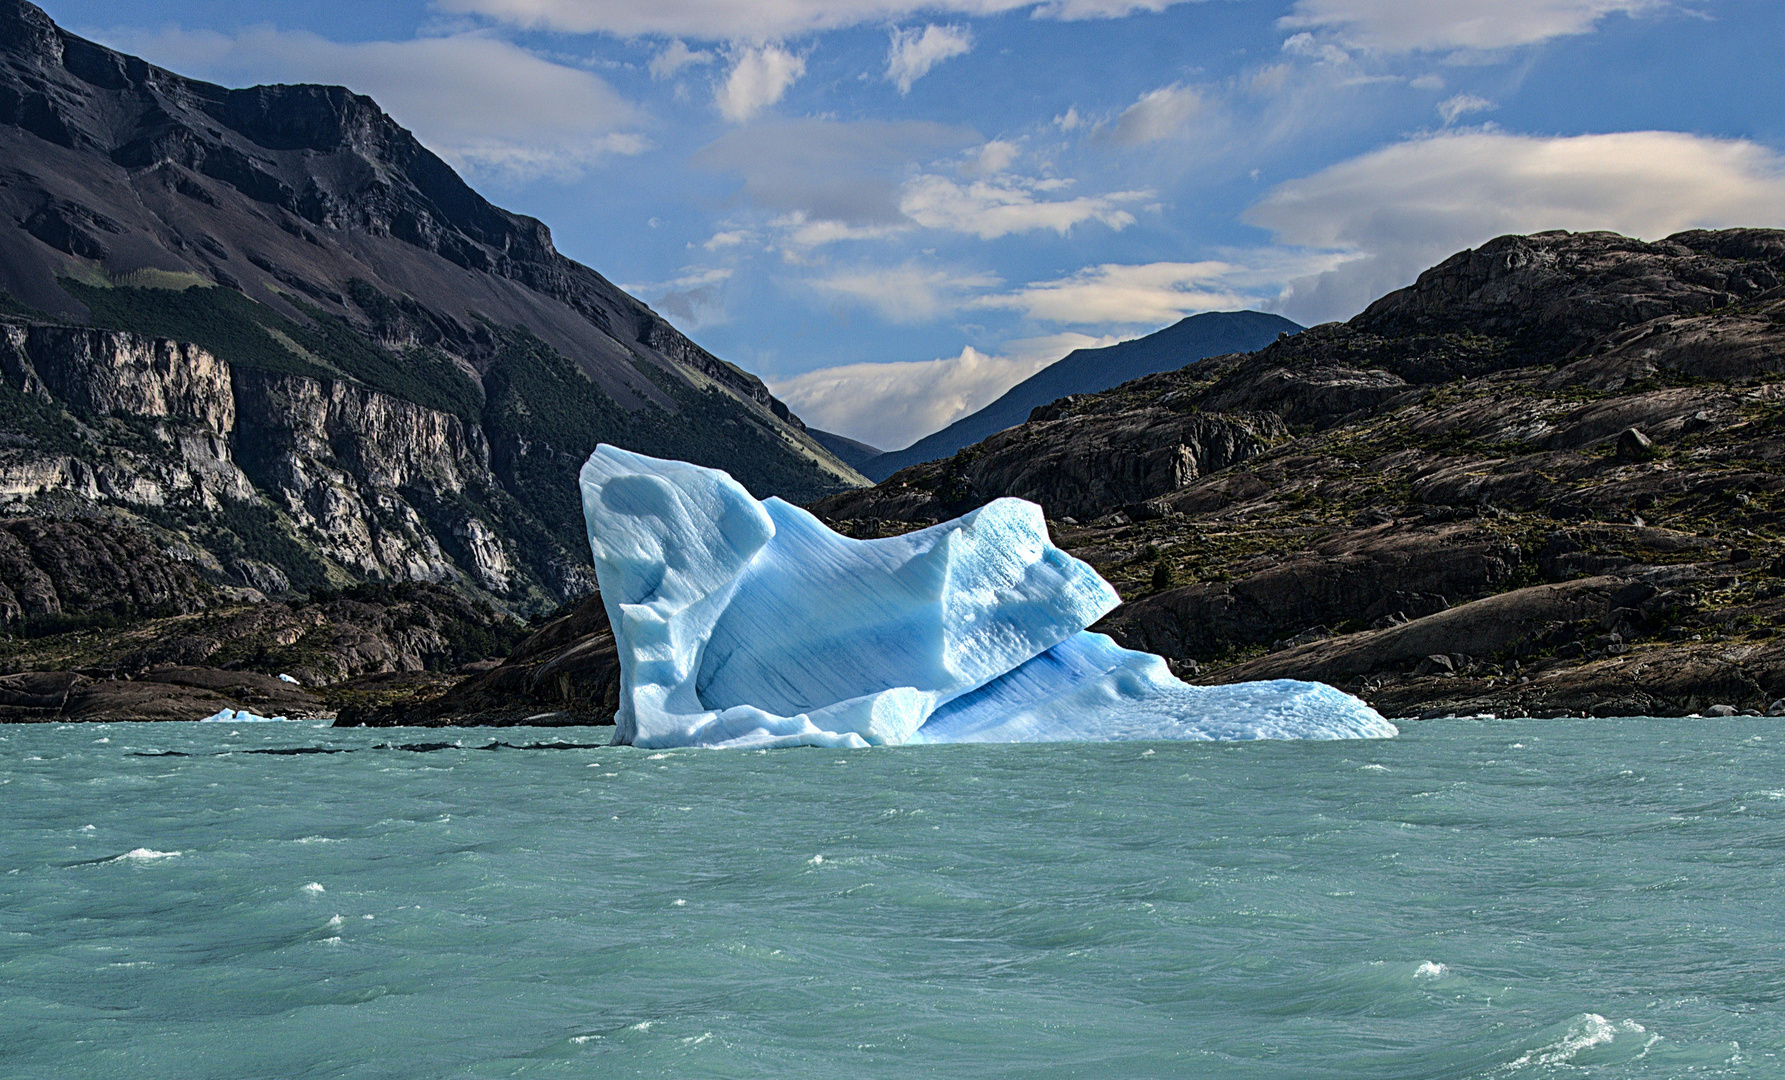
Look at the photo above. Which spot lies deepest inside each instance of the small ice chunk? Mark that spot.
(287, 678)
(242, 716)
(313, 888)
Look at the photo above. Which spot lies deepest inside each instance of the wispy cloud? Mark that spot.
(1144, 294)
(692, 299)
(476, 100)
(763, 20)
(989, 209)
(1158, 115)
(826, 181)
(1414, 25)
(908, 293)
(1400, 209)
(1462, 105)
(831, 170)
(914, 52)
(674, 57)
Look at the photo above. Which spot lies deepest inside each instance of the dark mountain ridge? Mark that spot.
(850, 451)
(134, 168)
(1088, 371)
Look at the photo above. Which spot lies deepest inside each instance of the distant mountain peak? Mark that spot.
(1083, 371)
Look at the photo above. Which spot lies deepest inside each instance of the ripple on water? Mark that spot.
(1474, 898)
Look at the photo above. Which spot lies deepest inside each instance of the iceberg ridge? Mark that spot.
(742, 623)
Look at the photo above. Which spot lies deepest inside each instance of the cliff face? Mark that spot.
(1547, 477)
(277, 332)
(263, 480)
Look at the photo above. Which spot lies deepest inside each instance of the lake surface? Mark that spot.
(1601, 898)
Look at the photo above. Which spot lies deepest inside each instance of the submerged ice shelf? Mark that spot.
(742, 623)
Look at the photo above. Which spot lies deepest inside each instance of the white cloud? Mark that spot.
(893, 405)
(727, 238)
(760, 75)
(989, 209)
(1462, 105)
(1133, 295)
(914, 52)
(905, 294)
(1412, 25)
(763, 20)
(1405, 207)
(475, 100)
(994, 157)
(1159, 114)
(676, 56)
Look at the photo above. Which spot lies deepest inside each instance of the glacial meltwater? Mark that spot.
(1476, 898)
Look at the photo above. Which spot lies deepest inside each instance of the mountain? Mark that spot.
(1087, 371)
(849, 451)
(274, 332)
(1547, 478)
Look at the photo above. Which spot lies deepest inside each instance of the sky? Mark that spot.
(893, 211)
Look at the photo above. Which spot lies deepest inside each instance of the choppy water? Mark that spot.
(1590, 898)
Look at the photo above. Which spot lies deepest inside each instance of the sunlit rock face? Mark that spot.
(742, 623)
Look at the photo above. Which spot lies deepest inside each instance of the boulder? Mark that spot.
(1633, 445)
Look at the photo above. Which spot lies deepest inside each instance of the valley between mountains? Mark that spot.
(281, 395)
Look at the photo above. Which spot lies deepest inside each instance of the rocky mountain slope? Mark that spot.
(1086, 371)
(1544, 478)
(272, 332)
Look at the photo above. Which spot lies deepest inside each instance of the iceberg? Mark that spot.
(241, 716)
(746, 623)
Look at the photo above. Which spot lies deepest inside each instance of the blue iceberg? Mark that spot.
(742, 623)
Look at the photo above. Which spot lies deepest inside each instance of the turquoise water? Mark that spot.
(1474, 899)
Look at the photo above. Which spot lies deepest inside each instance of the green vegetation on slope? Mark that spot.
(25, 421)
(247, 333)
(544, 417)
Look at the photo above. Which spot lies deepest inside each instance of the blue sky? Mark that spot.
(893, 211)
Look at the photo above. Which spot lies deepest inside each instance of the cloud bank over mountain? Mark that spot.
(1404, 207)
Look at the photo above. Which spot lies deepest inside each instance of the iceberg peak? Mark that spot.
(744, 623)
